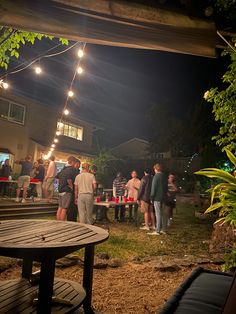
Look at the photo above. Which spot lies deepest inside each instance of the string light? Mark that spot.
(51, 149)
(53, 145)
(38, 70)
(5, 85)
(58, 133)
(66, 112)
(80, 53)
(55, 140)
(80, 70)
(70, 93)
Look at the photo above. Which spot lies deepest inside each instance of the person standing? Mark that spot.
(5, 172)
(119, 191)
(48, 184)
(132, 187)
(39, 175)
(72, 212)
(144, 198)
(24, 178)
(171, 198)
(85, 185)
(158, 195)
(65, 188)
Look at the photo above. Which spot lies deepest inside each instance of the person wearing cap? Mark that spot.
(85, 185)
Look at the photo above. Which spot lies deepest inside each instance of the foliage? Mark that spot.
(11, 41)
(104, 163)
(224, 107)
(230, 261)
(223, 195)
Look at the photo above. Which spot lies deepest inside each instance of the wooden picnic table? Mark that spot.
(45, 241)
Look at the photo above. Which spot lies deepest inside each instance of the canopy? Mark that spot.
(116, 23)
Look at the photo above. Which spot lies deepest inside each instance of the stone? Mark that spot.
(102, 255)
(167, 267)
(7, 262)
(66, 262)
(115, 262)
(100, 263)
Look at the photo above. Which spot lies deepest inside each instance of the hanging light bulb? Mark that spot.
(58, 133)
(5, 85)
(55, 140)
(80, 53)
(51, 149)
(66, 112)
(70, 93)
(53, 145)
(38, 70)
(80, 70)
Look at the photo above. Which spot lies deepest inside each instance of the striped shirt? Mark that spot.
(119, 186)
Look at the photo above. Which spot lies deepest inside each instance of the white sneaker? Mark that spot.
(144, 228)
(163, 232)
(23, 200)
(154, 233)
(17, 200)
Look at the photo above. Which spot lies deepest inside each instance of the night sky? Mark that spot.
(118, 85)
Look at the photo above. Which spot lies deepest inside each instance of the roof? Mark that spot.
(114, 23)
(131, 140)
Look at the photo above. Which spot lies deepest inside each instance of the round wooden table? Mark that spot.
(45, 241)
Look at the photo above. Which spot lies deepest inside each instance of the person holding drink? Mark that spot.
(132, 187)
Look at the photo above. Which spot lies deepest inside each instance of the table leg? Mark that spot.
(88, 278)
(26, 268)
(46, 286)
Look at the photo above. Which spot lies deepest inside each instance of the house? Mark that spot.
(28, 127)
(135, 149)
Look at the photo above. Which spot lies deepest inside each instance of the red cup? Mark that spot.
(117, 200)
(98, 199)
(113, 199)
(125, 199)
(131, 199)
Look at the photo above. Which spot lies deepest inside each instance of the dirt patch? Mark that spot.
(130, 289)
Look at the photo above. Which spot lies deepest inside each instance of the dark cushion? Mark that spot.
(204, 292)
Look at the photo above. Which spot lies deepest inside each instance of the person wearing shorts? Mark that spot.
(144, 200)
(24, 178)
(66, 178)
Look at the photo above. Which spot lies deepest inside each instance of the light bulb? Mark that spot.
(80, 53)
(53, 145)
(38, 70)
(70, 93)
(80, 70)
(51, 149)
(55, 140)
(58, 133)
(5, 85)
(66, 112)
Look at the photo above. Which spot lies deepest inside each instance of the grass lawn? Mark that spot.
(187, 236)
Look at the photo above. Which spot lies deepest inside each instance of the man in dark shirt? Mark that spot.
(24, 178)
(40, 172)
(5, 172)
(66, 178)
(72, 212)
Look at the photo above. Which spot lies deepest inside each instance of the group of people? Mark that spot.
(154, 194)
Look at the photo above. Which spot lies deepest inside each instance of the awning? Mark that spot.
(116, 23)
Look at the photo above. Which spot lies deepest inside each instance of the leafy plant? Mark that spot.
(12, 39)
(230, 262)
(223, 195)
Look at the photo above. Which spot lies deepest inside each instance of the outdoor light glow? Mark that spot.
(58, 133)
(5, 85)
(38, 70)
(60, 124)
(70, 93)
(55, 140)
(80, 70)
(80, 53)
(66, 112)
(53, 145)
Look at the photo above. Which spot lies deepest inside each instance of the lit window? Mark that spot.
(70, 130)
(11, 111)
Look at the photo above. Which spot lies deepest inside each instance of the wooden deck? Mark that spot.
(16, 296)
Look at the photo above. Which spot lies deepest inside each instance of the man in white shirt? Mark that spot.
(85, 185)
(48, 183)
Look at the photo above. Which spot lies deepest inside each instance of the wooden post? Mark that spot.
(88, 278)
